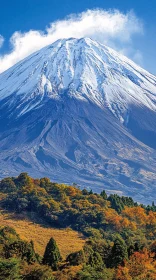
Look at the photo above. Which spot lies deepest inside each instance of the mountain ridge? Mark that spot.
(85, 120)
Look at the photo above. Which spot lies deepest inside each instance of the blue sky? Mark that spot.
(135, 38)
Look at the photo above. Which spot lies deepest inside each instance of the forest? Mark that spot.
(120, 234)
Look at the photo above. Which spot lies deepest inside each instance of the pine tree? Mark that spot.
(119, 252)
(52, 254)
(104, 195)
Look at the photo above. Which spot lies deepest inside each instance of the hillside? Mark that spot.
(68, 240)
(120, 235)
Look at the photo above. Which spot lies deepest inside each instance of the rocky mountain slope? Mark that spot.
(78, 111)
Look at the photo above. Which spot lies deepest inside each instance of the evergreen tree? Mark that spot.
(52, 254)
(116, 202)
(104, 195)
(119, 252)
(95, 260)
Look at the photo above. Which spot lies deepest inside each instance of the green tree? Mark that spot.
(116, 202)
(104, 195)
(76, 258)
(7, 185)
(9, 269)
(52, 254)
(21, 249)
(44, 182)
(119, 252)
(95, 260)
(23, 180)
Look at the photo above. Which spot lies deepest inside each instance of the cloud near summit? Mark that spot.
(111, 27)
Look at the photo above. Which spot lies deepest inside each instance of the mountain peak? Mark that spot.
(78, 111)
(81, 68)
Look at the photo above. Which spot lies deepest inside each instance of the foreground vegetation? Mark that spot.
(120, 234)
(30, 227)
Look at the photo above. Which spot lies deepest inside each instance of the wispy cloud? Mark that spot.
(110, 27)
(1, 41)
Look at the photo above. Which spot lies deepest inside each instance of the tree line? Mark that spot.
(121, 235)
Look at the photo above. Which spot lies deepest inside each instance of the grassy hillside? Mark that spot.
(51, 219)
(26, 226)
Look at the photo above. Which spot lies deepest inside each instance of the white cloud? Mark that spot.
(1, 41)
(110, 27)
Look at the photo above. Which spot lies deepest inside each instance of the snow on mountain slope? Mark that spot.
(78, 111)
(87, 70)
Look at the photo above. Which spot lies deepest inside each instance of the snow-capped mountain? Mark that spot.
(78, 111)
